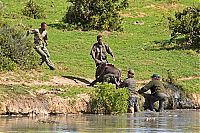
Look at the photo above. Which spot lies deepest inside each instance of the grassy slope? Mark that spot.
(134, 48)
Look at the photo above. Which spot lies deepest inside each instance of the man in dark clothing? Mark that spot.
(100, 50)
(133, 98)
(156, 87)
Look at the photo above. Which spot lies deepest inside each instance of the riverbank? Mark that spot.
(59, 99)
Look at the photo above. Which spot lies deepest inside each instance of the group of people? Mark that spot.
(99, 53)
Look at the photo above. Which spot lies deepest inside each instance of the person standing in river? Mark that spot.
(130, 83)
(40, 41)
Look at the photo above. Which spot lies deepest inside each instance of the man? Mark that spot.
(40, 40)
(100, 50)
(156, 87)
(130, 83)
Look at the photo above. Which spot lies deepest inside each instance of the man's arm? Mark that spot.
(145, 88)
(109, 51)
(31, 31)
(92, 53)
(46, 39)
(123, 84)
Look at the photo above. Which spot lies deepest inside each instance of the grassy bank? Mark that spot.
(138, 46)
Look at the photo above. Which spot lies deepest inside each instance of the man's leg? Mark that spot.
(136, 105)
(161, 97)
(40, 51)
(131, 105)
(46, 51)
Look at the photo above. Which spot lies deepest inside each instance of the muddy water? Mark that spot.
(170, 121)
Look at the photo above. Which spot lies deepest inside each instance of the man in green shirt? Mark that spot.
(130, 83)
(156, 87)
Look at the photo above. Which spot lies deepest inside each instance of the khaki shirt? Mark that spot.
(99, 52)
(130, 84)
(40, 37)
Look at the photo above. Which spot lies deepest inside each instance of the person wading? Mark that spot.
(156, 87)
(130, 83)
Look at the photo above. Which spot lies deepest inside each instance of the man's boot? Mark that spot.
(161, 106)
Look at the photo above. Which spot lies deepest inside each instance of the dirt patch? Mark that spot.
(11, 78)
(55, 81)
(129, 15)
(164, 6)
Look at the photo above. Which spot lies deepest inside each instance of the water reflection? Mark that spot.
(172, 121)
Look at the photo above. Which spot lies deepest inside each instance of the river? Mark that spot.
(169, 121)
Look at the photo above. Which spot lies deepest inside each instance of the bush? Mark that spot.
(108, 99)
(33, 10)
(95, 14)
(186, 24)
(16, 49)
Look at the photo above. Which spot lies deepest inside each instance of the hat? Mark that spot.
(155, 75)
(131, 71)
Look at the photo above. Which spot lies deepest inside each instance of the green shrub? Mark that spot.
(186, 24)
(33, 10)
(108, 99)
(6, 63)
(16, 49)
(95, 14)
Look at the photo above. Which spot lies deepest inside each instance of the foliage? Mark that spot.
(95, 14)
(108, 99)
(186, 23)
(16, 49)
(33, 10)
(170, 77)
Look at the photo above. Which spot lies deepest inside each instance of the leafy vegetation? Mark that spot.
(108, 99)
(33, 10)
(16, 49)
(95, 14)
(186, 24)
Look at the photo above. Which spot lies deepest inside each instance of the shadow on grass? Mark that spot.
(178, 44)
(58, 26)
(77, 78)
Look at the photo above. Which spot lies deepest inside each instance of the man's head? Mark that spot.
(155, 76)
(43, 26)
(100, 39)
(131, 73)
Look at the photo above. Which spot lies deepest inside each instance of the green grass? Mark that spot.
(192, 86)
(20, 90)
(134, 48)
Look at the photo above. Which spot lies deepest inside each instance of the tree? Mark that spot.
(95, 14)
(186, 23)
(33, 10)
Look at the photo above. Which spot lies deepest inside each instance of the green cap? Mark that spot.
(155, 75)
(131, 71)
